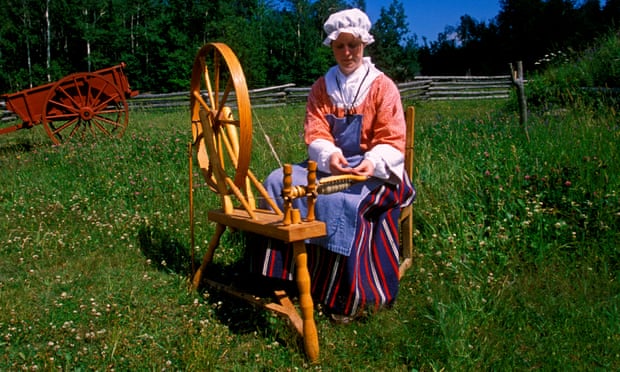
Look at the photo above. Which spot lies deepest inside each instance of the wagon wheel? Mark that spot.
(84, 105)
(221, 117)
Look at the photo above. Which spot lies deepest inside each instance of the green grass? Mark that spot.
(516, 265)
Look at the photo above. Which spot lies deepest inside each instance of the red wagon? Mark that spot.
(79, 106)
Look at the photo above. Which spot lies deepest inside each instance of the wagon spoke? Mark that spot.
(99, 121)
(72, 109)
(98, 125)
(71, 104)
(91, 129)
(75, 129)
(76, 105)
(66, 125)
(100, 107)
(90, 100)
(61, 117)
(110, 111)
(78, 91)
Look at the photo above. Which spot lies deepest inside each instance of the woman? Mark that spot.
(354, 124)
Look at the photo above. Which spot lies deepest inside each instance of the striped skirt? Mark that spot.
(366, 279)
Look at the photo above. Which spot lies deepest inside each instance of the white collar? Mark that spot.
(343, 89)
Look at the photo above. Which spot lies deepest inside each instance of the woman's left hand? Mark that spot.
(365, 168)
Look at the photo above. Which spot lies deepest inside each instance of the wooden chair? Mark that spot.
(406, 214)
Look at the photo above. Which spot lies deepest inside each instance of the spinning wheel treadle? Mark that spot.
(221, 123)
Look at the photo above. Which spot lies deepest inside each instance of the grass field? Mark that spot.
(516, 264)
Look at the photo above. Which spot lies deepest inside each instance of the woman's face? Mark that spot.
(349, 52)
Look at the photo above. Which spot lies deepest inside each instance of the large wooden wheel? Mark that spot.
(221, 118)
(84, 105)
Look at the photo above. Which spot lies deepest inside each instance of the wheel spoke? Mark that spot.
(78, 92)
(207, 79)
(73, 131)
(71, 104)
(101, 105)
(111, 110)
(66, 125)
(90, 100)
(94, 123)
(76, 125)
(102, 121)
(67, 111)
(216, 76)
(224, 99)
(63, 116)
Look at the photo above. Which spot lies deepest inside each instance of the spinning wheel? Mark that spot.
(221, 120)
(221, 125)
(222, 141)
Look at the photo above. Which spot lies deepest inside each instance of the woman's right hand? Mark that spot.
(338, 164)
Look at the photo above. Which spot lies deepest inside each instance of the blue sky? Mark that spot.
(427, 18)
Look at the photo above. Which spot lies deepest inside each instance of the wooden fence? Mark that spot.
(420, 89)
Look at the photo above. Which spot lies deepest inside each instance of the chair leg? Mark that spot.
(406, 227)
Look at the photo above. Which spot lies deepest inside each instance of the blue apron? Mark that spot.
(339, 210)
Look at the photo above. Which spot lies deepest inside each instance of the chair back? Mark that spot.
(406, 214)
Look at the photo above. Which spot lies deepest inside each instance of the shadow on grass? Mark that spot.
(241, 317)
(165, 252)
(11, 148)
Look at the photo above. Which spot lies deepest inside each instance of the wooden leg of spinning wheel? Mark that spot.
(311, 338)
(213, 243)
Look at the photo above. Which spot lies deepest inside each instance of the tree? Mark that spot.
(277, 41)
(296, 42)
(611, 13)
(530, 29)
(393, 50)
(590, 19)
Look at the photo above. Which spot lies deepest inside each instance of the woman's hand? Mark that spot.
(365, 168)
(338, 164)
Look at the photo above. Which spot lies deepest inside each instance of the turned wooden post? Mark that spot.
(311, 337)
(311, 190)
(286, 193)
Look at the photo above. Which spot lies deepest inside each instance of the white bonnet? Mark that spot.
(351, 21)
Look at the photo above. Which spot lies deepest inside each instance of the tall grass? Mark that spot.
(580, 77)
(516, 263)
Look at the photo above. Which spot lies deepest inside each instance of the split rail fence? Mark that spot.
(422, 88)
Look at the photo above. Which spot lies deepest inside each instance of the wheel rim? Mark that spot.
(220, 103)
(85, 106)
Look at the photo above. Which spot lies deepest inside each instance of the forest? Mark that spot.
(277, 41)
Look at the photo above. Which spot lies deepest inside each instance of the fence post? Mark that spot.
(517, 79)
